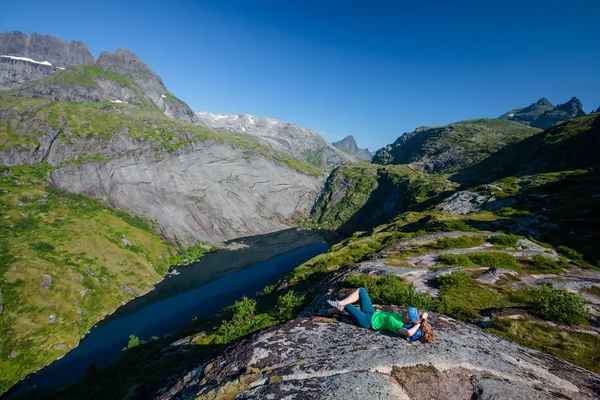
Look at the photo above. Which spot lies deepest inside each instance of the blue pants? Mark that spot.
(363, 316)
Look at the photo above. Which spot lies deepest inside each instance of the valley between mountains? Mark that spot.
(108, 180)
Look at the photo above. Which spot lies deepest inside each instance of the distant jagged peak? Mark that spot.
(572, 106)
(544, 102)
(348, 145)
(543, 113)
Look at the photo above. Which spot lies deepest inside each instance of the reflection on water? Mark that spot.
(200, 290)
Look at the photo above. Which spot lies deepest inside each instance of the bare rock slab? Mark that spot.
(317, 358)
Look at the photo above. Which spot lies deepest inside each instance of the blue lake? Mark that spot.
(200, 290)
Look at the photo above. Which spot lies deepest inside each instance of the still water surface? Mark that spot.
(200, 290)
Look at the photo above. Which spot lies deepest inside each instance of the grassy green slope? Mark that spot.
(452, 147)
(572, 144)
(79, 244)
(359, 196)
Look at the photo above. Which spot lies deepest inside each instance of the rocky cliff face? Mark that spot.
(292, 139)
(348, 145)
(204, 191)
(452, 147)
(197, 185)
(15, 71)
(57, 52)
(542, 114)
(124, 62)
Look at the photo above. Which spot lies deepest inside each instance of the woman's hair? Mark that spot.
(427, 335)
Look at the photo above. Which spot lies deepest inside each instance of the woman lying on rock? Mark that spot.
(412, 325)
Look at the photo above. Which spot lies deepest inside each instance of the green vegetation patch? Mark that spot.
(454, 280)
(559, 305)
(62, 254)
(579, 348)
(463, 298)
(505, 240)
(171, 97)
(459, 242)
(97, 71)
(481, 259)
(359, 196)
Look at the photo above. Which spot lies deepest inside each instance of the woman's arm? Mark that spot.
(411, 331)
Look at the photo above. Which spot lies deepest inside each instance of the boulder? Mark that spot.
(128, 291)
(492, 275)
(46, 282)
(462, 202)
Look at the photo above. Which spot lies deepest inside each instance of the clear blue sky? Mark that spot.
(374, 69)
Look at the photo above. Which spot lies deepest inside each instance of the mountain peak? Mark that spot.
(543, 113)
(123, 61)
(348, 145)
(544, 102)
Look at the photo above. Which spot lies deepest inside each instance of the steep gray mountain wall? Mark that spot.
(195, 184)
(292, 139)
(58, 52)
(14, 72)
(103, 89)
(348, 145)
(125, 63)
(207, 191)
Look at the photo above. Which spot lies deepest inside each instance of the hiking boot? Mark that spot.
(336, 304)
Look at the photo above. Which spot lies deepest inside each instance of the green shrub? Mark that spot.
(269, 289)
(574, 255)
(459, 225)
(456, 259)
(134, 341)
(288, 305)
(459, 242)
(558, 305)
(505, 240)
(453, 280)
(243, 320)
(541, 263)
